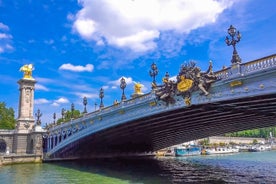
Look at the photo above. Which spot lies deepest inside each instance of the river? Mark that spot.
(257, 167)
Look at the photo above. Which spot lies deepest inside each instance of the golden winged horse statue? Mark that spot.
(27, 69)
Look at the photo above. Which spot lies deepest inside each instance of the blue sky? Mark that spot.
(77, 47)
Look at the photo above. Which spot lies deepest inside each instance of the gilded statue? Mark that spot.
(137, 88)
(27, 69)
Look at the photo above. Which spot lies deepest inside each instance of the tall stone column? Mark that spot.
(25, 120)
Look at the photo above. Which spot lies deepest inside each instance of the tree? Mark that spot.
(69, 115)
(7, 120)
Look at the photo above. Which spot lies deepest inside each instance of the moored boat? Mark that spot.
(165, 152)
(257, 148)
(219, 150)
(187, 151)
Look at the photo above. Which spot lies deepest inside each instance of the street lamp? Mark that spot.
(153, 73)
(72, 110)
(123, 86)
(62, 113)
(233, 33)
(101, 95)
(167, 75)
(54, 117)
(95, 104)
(84, 103)
(38, 114)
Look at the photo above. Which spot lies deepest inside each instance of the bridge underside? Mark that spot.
(177, 126)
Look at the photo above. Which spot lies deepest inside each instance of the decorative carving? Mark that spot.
(166, 91)
(184, 84)
(189, 79)
(27, 96)
(38, 115)
(187, 101)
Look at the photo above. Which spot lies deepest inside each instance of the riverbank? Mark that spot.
(19, 159)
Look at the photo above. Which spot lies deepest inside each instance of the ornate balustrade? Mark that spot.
(247, 68)
(7, 132)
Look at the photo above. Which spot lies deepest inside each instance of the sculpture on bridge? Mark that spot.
(166, 91)
(189, 79)
(27, 69)
(137, 90)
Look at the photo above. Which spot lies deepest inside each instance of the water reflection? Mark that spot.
(238, 168)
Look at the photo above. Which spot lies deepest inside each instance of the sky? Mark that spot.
(79, 47)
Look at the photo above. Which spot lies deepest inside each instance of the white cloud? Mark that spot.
(5, 36)
(105, 87)
(87, 95)
(77, 68)
(61, 100)
(44, 80)
(49, 42)
(55, 104)
(41, 101)
(41, 87)
(5, 39)
(3, 27)
(137, 24)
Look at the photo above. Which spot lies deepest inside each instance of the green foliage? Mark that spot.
(204, 142)
(257, 133)
(7, 120)
(68, 116)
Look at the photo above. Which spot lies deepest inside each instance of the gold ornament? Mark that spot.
(184, 84)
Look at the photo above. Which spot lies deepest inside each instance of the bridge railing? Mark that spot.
(247, 68)
(6, 131)
(123, 104)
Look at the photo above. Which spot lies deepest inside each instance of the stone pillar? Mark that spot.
(21, 141)
(36, 139)
(25, 120)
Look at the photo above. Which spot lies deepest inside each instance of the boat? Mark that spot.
(165, 152)
(257, 148)
(219, 150)
(187, 151)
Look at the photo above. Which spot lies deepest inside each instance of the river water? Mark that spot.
(258, 167)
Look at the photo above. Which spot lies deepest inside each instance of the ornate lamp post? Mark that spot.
(167, 75)
(62, 113)
(54, 117)
(123, 86)
(153, 73)
(72, 110)
(38, 114)
(101, 95)
(84, 103)
(95, 106)
(233, 33)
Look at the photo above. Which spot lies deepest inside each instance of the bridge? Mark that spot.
(240, 97)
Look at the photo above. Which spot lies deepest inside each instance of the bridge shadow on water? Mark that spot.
(148, 170)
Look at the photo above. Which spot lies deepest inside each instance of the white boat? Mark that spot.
(257, 148)
(220, 150)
